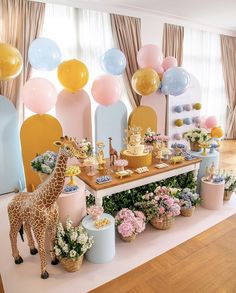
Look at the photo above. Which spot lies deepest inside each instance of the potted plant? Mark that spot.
(95, 212)
(188, 200)
(129, 224)
(196, 136)
(71, 244)
(160, 208)
(44, 164)
(230, 186)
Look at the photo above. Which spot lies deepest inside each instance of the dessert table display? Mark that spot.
(103, 249)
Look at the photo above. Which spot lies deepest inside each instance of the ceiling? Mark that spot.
(217, 13)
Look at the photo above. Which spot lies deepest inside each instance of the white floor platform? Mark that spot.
(25, 278)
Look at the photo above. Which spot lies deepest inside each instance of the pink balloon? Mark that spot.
(39, 95)
(149, 56)
(159, 69)
(169, 62)
(106, 89)
(211, 122)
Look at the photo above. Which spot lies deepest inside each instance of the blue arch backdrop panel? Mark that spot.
(111, 121)
(11, 166)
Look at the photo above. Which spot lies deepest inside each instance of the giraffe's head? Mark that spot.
(69, 147)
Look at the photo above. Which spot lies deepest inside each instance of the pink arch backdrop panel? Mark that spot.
(74, 113)
(37, 136)
(11, 166)
(145, 117)
(157, 102)
(191, 96)
(111, 121)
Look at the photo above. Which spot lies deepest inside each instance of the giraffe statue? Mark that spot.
(112, 152)
(38, 210)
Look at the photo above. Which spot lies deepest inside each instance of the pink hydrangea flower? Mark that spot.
(139, 225)
(161, 210)
(140, 215)
(126, 229)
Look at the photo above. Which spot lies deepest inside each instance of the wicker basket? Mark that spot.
(187, 212)
(227, 195)
(70, 264)
(43, 176)
(164, 225)
(195, 147)
(128, 239)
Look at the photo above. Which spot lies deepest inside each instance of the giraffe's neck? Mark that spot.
(52, 188)
(110, 146)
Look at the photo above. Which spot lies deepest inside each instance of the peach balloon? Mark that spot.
(217, 132)
(106, 89)
(149, 56)
(169, 62)
(211, 122)
(39, 95)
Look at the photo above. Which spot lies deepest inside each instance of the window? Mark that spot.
(202, 57)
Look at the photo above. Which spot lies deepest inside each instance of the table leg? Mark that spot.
(98, 201)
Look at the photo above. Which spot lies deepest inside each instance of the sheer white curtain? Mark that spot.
(202, 57)
(83, 34)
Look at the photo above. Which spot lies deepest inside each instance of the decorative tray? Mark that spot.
(103, 179)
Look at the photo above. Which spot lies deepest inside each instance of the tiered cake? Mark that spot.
(135, 152)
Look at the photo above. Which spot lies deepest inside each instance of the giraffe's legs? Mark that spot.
(30, 238)
(52, 235)
(14, 229)
(40, 233)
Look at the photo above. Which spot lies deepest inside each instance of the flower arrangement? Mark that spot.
(130, 223)
(160, 206)
(230, 182)
(71, 243)
(150, 137)
(188, 199)
(95, 212)
(86, 147)
(45, 162)
(198, 135)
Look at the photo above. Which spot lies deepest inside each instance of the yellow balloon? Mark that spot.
(145, 81)
(11, 62)
(197, 106)
(179, 122)
(73, 75)
(217, 132)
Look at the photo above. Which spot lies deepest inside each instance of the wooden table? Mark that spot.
(136, 180)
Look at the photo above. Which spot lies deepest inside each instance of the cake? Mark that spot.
(135, 152)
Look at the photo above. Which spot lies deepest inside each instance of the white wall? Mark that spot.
(151, 23)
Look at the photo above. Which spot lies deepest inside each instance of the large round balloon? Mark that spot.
(113, 61)
(39, 95)
(175, 81)
(44, 54)
(217, 132)
(150, 56)
(211, 122)
(73, 75)
(10, 62)
(106, 89)
(145, 81)
(169, 62)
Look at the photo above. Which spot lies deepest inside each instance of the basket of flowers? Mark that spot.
(230, 185)
(44, 164)
(71, 244)
(197, 136)
(188, 200)
(160, 208)
(129, 224)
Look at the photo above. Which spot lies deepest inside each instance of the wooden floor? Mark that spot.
(205, 263)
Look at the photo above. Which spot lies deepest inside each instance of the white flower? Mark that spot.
(82, 239)
(60, 241)
(68, 224)
(57, 251)
(73, 253)
(65, 248)
(73, 236)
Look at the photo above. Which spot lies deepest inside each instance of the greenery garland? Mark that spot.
(127, 199)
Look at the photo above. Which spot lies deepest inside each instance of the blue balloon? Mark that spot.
(179, 109)
(175, 81)
(113, 61)
(44, 54)
(188, 121)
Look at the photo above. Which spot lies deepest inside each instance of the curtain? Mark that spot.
(21, 23)
(202, 58)
(172, 44)
(126, 31)
(228, 50)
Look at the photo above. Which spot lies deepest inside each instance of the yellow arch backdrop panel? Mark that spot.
(145, 117)
(37, 136)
